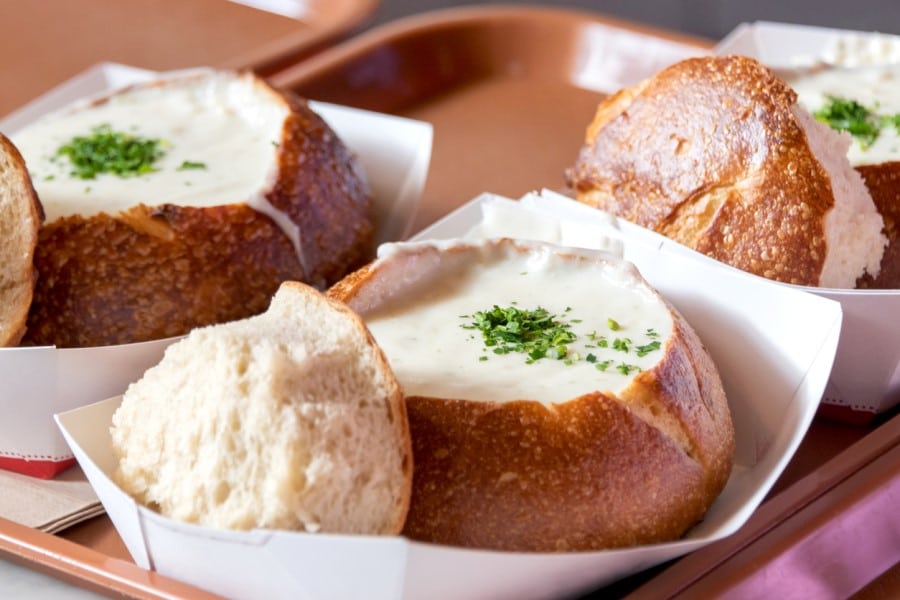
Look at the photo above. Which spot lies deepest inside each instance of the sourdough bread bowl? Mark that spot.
(291, 419)
(717, 153)
(222, 188)
(865, 102)
(20, 219)
(607, 428)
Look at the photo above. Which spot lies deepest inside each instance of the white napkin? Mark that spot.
(50, 505)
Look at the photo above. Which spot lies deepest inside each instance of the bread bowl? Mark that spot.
(863, 101)
(291, 419)
(716, 153)
(20, 218)
(154, 253)
(519, 453)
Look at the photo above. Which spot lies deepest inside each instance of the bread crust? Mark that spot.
(598, 471)
(709, 152)
(157, 271)
(21, 215)
(883, 181)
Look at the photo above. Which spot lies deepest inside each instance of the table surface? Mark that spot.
(52, 40)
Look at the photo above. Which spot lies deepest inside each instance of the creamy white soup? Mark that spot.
(218, 136)
(876, 88)
(428, 326)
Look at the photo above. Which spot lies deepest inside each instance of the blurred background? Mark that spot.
(707, 18)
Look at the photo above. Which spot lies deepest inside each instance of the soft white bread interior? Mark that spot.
(291, 419)
(716, 153)
(619, 434)
(20, 220)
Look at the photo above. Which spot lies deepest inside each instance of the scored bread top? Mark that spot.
(20, 219)
(715, 153)
(291, 419)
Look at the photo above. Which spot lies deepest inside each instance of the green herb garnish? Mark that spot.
(621, 344)
(539, 334)
(849, 115)
(108, 151)
(191, 165)
(535, 333)
(647, 348)
(625, 369)
(861, 122)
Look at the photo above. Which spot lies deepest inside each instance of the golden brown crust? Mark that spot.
(154, 272)
(883, 181)
(595, 472)
(21, 215)
(320, 188)
(106, 280)
(524, 477)
(708, 152)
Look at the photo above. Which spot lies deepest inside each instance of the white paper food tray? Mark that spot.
(783, 45)
(39, 382)
(773, 345)
(865, 380)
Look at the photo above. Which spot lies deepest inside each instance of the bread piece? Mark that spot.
(20, 219)
(291, 419)
(876, 89)
(715, 153)
(253, 188)
(547, 456)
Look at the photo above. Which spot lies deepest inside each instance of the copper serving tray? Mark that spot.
(508, 116)
(47, 42)
(497, 84)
